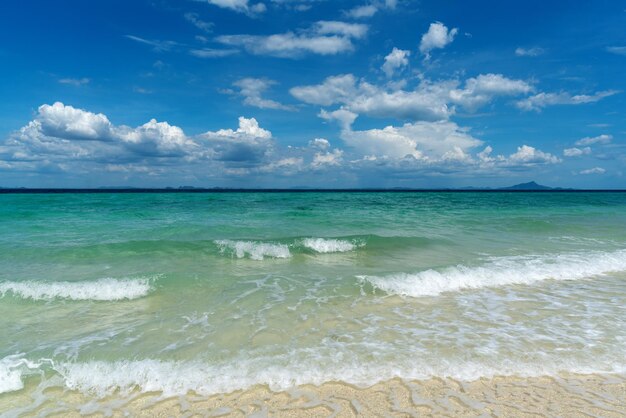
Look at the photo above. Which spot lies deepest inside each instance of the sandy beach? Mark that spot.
(565, 396)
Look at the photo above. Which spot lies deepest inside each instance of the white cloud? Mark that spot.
(248, 128)
(437, 37)
(322, 38)
(618, 50)
(285, 166)
(529, 52)
(428, 101)
(76, 142)
(361, 12)
(241, 6)
(541, 100)
(397, 59)
(75, 81)
(288, 45)
(157, 45)
(332, 158)
(343, 116)
(576, 152)
(420, 140)
(528, 155)
(334, 89)
(482, 89)
(319, 143)
(213, 53)
(391, 3)
(595, 170)
(67, 122)
(252, 90)
(600, 139)
(194, 19)
(72, 139)
(351, 30)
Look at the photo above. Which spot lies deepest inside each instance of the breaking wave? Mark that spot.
(107, 289)
(499, 272)
(253, 250)
(322, 245)
(103, 378)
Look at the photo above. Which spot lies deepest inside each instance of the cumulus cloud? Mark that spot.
(64, 137)
(248, 144)
(594, 170)
(529, 52)
(437, 37)
(576, 152)
(541, 100)
(482, 89)
(397, 59)
(323, 38)
(428, 101)
(319, 143)
(420, 140)
(361, 12)
(343, 116)
(435, 148)
(252, 90)
(600, 139)
(528, 155)
(327, 158)
(334, 89)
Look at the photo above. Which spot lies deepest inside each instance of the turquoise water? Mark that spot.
(214, 292)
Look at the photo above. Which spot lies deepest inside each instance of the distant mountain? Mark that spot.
(528, 186)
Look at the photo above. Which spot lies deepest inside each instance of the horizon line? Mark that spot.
(44, 190)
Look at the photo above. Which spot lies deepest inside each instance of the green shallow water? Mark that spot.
(224, 291)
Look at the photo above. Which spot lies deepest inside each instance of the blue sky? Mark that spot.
(289, 93)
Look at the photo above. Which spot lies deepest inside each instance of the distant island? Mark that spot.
(530, 186)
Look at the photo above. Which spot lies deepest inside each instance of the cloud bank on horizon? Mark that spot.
(286, 93)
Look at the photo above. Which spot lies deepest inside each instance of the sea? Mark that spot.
(107, 296)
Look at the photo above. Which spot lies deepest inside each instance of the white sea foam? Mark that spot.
(254, 250)
(11, 371)
(102, 378)
(107, 289)
(322, 245)
(501, 271)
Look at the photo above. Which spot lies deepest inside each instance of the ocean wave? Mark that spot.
(12, 368)
(324, 245)
(171, 378)
(107, 289)
(253, 249)
(499, 272)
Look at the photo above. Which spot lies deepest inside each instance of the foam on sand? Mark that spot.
(11, 370)
(107, 289)
(254, 250)
(171, 378)
(501, 271)
(323, 245)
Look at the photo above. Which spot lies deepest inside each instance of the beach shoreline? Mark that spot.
(571, 395)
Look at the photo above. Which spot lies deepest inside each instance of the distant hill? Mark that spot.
(529, 186)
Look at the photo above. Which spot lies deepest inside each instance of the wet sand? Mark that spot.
(563, 396)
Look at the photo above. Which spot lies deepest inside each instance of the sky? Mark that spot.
(312, 93)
